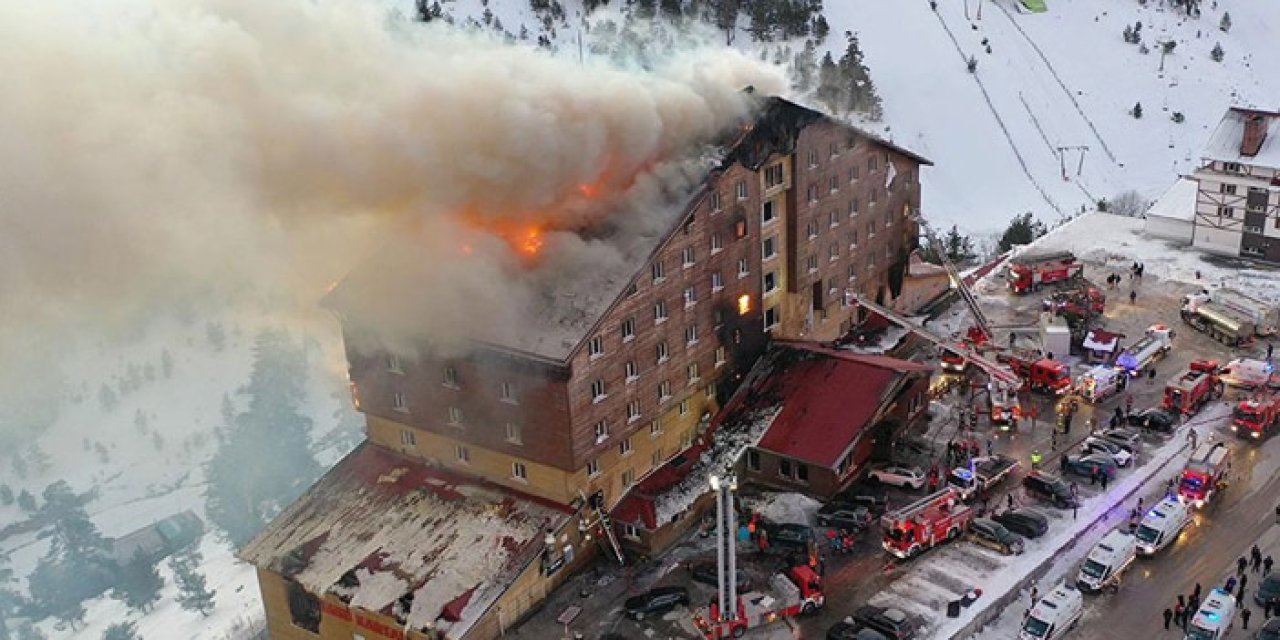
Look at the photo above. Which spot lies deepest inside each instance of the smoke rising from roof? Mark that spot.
(179, 149)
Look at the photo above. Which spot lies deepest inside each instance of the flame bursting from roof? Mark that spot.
(526, 234)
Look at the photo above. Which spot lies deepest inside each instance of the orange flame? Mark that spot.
(531, 242)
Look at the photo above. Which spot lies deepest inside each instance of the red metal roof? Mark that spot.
(827, 400)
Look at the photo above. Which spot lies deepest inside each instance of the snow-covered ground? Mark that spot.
(150, 468)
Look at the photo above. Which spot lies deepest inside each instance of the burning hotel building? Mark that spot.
(490, 472)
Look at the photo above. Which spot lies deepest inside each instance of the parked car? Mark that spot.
(853, 631)
(898, 476)
(1126, 437)
(873, 498)
(1268, 591)
(1083, 464)
(788, 535)
(992, 534)
(1049, 488)
(887, 620)
(1154, 419)
(1270, 630)
(844, 515)
(704, 571)
(656, 601)
(1120, 454)
(1027, 523)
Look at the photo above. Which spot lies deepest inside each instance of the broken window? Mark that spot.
(740, 227)
(304, 608)
(773, 175)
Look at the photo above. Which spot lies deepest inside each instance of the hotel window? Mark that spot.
(602, 431)
(513, 433)
(664, 391)
(853, 207)
(835, 149)
(462, 454)
(833, 253)
(740, 229)
(813, 193)
(661, 350)
(1226, 212)
(872, 164)
(690, 297)
(455, 416)
(888, 220)
(1233, 167)
(630, 531)
(720, 354)
(628, 329)
(812, 229)
(770, 318)
(628, 478)
(767, 214)
(717, 281)
(633, 411)
(852, 237)
(742, 189)
(655, 427)
(624, 448)
(770, 282)
(773, 176)
(692, 372)
(597, 391)
(593, 468)
(660, 312)
(744, 268)
(393, 363)
(811, 263)
(769, 248)
(518, 471)
(595, 347)
(853, 175)
(833, 219)
(684, 407)
(398, 402)
(507, 393)
(784, 468)
(655, 459)
(871, 230)
(686, 257)
(813, 158)
(658, 272)
(632, 371)
(408, 438)
(853, 273)
(451, 377)
(691, 334)
(717, 243)
(686, 439)
(833, 184)
(715, 202)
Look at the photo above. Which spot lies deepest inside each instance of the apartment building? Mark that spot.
(1237, 208)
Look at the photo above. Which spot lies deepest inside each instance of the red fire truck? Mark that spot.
(1205, 473)
(1039, 374)
(1193, 387)
(925, 523)
(1030, 271)
(1257, 417)
(797, 592)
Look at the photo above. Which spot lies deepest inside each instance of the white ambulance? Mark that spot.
(1213, 620)
(1162, 525)
(1107, 561)
(1054, 615)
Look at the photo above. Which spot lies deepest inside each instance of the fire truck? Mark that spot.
(1205, 473)
(1099, 383)
(1156, 344)
(1038, 373)
(1030, 271)
(1086, 301)
(925, 523)
(1257, 417)
(1193, 387)
(797, 592)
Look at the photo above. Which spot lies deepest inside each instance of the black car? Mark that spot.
(873, 498)
(1268, 591)
(887, 620)
(1154, 419)
(1027, 523)
(1049, 488)
(788, 535)
(1087, 463)
(656, 601)
(704, 571)
(844, 515)
(993, 535)
(1270, 630)
(853, 631)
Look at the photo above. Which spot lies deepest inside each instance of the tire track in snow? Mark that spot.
(1054, 72)
(999, 121)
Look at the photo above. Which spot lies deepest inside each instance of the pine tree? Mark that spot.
(1021, 230)
(193, 591)
(139, 583)
(820, 28)
(860, 91)
(1137, 110)
(9, 599)
(122, 631)
(1128, 34)
(1217, 53)
(829, 86)
(26, 501)
(6, 495)
(1225, 24)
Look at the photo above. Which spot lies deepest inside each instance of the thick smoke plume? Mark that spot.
(167, 150)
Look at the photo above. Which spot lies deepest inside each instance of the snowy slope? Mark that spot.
(140, 481)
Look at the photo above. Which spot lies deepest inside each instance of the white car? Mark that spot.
(898, 475)
(1122, 455)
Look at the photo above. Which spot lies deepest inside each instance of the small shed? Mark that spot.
(1172, 217)
(1101, 346)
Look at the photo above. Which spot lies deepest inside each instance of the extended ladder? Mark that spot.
(596, 503)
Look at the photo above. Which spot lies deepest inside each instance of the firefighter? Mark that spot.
(1036, 458)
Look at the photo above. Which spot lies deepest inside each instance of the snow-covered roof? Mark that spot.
(1178, 202)
(1101, 340)
(379, 527)
(1226, 140)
